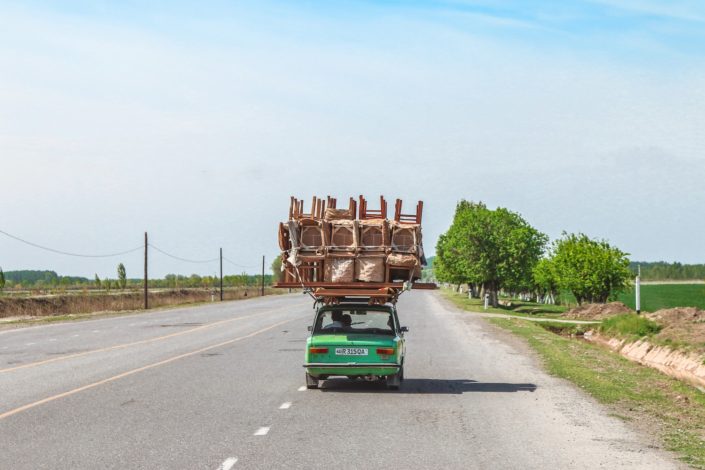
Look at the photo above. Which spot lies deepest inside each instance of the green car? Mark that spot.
(357, 341)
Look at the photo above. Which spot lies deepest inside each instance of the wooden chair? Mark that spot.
(366, 214)
(296, 209)
(408, 218)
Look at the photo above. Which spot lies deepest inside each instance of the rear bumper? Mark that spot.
(350, 365)
(351, 369)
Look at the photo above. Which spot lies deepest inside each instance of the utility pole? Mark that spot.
(637, 291)
(146, 288)
(262, 289)
(221, 274)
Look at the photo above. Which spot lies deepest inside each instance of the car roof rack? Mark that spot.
(337, 295)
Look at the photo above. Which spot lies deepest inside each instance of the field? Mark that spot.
(57, 306)
(658, 296)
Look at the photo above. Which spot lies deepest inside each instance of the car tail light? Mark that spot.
(385, 351)
(318, 350)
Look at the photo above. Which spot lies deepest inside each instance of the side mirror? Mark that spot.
(404, 329)
(310, 328)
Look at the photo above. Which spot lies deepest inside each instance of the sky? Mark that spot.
(195, 122)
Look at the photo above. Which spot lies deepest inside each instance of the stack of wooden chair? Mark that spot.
(350, 245)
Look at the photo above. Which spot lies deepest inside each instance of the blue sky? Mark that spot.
(194, 120)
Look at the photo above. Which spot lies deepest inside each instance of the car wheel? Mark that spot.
(311, 382)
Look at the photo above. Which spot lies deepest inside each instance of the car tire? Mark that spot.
(311, 382)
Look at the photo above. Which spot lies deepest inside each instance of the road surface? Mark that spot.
(221, 386)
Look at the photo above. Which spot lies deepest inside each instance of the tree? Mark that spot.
(493, 248)
(277, 268)
(97, 281)
(545, 281)
(122, 276)
(591, 269)
(2, 279)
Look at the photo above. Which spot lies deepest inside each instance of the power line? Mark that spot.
(67, 253)
(239, 265)
(186, 260)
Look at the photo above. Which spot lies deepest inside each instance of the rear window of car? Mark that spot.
(355, 321)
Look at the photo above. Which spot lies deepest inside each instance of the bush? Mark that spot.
(629, 324)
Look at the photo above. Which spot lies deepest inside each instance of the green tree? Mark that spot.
(277, 268)
(493, 248)
(122, 276)
(97, 281)
(591, 269)
(2, 279)
(545, 280)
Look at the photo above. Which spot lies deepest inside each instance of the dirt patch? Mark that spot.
(597, 311)
(66, 304)
(683, 365)
(682, 326)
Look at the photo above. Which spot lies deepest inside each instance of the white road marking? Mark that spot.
(285, 405)
(302, 388)
(262, 431)
(228, 463)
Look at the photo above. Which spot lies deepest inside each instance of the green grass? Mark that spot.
(629, 326)
(657, 296)
(518, 308)
(673, 409)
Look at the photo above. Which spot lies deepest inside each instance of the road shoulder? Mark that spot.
(657, 408)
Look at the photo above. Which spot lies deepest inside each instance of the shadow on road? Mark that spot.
(425, 386)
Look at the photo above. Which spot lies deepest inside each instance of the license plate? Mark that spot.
(351, 351)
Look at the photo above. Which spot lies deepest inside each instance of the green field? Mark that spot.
(658, 296)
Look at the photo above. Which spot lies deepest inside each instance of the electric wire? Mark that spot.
(68, 253)
(186, 260)
(120, 253)
(238, 265)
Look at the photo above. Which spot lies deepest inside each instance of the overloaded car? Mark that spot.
(358, 341)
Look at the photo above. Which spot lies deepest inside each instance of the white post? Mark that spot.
(637, 291)
(487, 301)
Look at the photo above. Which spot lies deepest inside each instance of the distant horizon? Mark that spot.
(268, 271)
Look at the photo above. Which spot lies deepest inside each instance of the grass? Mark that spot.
(629, 326)
(518, 308)
(657, 296)
(667, 407)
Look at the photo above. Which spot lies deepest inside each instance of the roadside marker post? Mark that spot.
(221, 274)
(637, 291)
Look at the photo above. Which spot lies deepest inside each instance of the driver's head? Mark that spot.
(337, 315)
(347, 320)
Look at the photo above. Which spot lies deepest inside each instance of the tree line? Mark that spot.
(496, 250)
(663, 271)
(33, 279)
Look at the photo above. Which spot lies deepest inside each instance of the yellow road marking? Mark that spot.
(134, 371)
(127, 345)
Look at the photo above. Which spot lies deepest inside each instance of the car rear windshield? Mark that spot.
(355, 321)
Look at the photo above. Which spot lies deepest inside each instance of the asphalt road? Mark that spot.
(221, 386)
